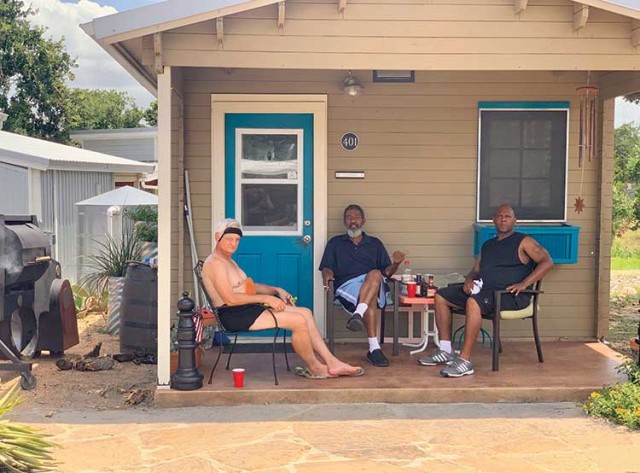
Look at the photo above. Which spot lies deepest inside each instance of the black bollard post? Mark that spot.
(187, 377)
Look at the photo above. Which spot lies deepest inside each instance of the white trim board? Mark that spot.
(253, 103)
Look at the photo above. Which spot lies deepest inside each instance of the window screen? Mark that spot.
(523, 162)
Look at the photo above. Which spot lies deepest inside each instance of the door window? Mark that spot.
(269, 181)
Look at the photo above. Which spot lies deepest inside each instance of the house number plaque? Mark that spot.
(349, 141)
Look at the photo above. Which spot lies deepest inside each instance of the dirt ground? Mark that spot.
(125, 386)
(131, 386)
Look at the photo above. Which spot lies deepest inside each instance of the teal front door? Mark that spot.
(269, 190)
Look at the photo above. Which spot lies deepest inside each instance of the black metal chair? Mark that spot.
(529, 312)
(198, 272)
(334, 307)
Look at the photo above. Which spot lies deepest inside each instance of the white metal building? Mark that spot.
(47, 179)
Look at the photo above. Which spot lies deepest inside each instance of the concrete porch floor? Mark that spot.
(570, 372)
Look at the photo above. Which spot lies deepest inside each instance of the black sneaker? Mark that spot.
(377, 358)
(355, 323)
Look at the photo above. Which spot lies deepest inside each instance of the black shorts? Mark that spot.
(485, 299)
(239, 318)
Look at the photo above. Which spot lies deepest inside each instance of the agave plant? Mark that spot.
(22, 448)
(111, 260)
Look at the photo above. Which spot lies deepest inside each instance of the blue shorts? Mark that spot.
(348, 293)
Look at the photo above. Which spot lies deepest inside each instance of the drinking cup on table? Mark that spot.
(238, 377)
(411, 289)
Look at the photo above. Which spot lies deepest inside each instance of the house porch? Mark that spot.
(570, 372)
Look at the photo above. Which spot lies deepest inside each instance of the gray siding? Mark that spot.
(14, 189)
(47, 219)
(419, 150)
(140, 149)
(60, 191)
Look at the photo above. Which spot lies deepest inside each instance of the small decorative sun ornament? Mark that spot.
(578, 205)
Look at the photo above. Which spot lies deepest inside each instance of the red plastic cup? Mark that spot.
(411, 289)
(238, 377)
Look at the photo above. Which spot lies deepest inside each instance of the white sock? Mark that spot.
(445, 345)
(361, 309)
(373, 343)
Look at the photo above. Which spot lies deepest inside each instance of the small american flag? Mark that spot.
(200, 316)
(197, 321)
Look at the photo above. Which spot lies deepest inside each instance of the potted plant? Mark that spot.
(106, 272)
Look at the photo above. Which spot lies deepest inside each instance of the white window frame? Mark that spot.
(299, 179)
(566, 176)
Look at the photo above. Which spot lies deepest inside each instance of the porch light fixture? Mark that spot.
(351, 86)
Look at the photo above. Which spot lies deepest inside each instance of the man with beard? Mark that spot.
(358, 264)
(511, 261)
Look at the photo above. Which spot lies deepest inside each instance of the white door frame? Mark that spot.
(252, 103)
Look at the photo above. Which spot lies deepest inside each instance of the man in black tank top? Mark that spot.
(511, 261)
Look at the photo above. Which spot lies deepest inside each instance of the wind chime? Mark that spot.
(587, 145)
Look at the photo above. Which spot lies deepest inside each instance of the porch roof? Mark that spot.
(133, 38)
(176, 13)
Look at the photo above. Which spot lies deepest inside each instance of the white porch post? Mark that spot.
(165, 304)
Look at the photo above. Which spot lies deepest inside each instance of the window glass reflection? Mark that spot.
(269, 156)
(270, 207)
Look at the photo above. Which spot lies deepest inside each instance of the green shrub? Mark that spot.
(618, 403)
(110, 261)
(145, 218)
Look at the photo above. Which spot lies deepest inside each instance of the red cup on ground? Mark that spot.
(411, 289)
(238, 377)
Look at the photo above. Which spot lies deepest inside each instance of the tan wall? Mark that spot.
(438, 35)
(418, 147)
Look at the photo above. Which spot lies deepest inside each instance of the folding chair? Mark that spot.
(212, 307)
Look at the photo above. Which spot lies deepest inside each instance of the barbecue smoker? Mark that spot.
(37, 310)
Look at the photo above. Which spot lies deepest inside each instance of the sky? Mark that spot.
(98, 70)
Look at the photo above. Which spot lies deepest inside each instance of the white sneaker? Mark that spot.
(457, 368)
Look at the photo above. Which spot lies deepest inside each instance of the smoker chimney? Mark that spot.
(3, 118)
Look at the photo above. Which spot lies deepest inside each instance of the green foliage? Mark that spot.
(111, 261)
(33, 75)
(151, 114)
(145, 218)
(618, 403)
(625, 251)
(102, 109)
(626, 187)
(628, 264)
(22, 449)
(631, 370)
(88, 300)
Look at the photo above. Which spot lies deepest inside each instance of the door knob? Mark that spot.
(306, 239)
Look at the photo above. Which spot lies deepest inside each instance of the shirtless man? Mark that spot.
(244, 305)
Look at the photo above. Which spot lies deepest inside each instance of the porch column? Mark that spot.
(603, 261)
(165, 305)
